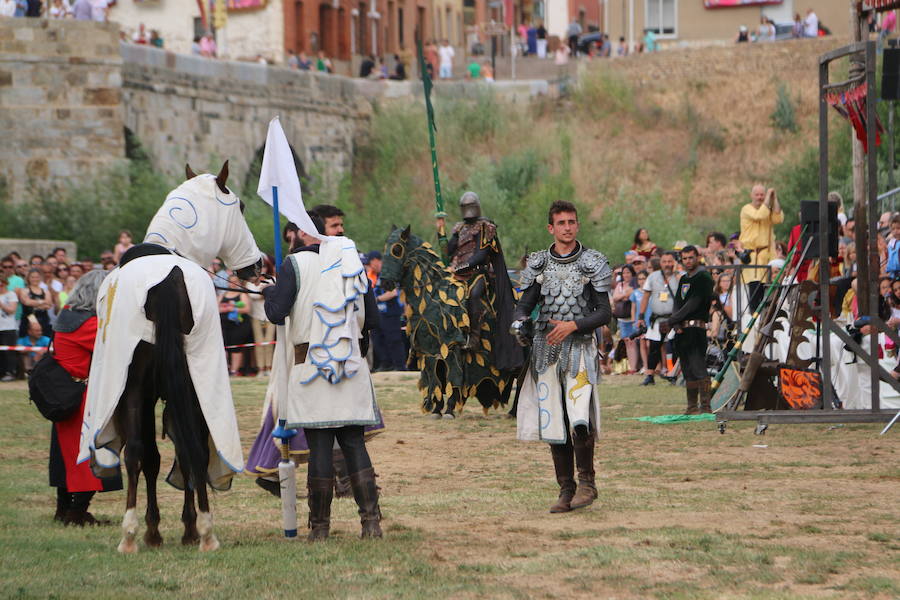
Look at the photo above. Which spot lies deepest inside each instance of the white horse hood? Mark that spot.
(198, 220)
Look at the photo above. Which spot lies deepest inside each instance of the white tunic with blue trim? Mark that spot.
(333, 386)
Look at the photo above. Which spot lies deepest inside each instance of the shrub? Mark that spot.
(784, 117)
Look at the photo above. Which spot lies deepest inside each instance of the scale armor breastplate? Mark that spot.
(566, 285)
(469, 240)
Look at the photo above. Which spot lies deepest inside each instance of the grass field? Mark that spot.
(684, 512)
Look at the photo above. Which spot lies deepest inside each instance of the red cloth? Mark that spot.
(73, 352)
(648, 254)
(803, 271)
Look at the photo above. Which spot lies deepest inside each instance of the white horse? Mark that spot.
(159, 337)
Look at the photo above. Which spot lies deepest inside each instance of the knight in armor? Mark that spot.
(558, 403)
(693, 297)
(319, 296)
(472, 249)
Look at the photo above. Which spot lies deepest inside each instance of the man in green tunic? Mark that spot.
(693, 296)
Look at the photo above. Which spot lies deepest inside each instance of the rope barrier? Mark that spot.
(38, 348)
(23, 348)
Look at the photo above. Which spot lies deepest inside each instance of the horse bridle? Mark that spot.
(241, 289)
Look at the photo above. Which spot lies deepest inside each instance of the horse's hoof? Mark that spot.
(435, 415)
(153, 540)
(209, 545)
(449, 415)
(128, 547)
(191, 536)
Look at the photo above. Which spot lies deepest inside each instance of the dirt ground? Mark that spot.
(684, 512)
(783, 486)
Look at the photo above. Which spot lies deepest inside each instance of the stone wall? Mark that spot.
(60, 102)
(188, 109)
(28, 248)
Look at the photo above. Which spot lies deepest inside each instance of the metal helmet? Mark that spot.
(470, 205)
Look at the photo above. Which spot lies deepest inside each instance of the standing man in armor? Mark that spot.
(693, 297)
(559, 403)
(471, 249)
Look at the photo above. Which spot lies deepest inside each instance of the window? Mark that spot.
(662, 17)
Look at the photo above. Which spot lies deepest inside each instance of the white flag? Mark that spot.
(278, 171)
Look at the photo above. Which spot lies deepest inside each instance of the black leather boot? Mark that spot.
(321, 491)
(78, 514)
(341, 478)
(584, 462)
(63, 501)
(564, 465)
(366, 494)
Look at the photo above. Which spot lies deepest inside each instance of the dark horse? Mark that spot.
(437, 327)
(160, 370)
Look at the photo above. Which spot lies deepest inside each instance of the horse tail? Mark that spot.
(172, 315)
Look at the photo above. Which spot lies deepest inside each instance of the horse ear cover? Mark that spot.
(222, 177)
(189, 172)
(404, 235)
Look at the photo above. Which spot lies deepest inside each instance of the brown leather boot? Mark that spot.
(564, 465)
(366, 494)
(321, 491)
(584, 462)
(705, 396)
(341, 479)
(692, 390)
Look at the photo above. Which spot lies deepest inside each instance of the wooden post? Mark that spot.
(860, 212)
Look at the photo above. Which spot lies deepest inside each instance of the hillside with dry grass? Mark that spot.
(671, 141)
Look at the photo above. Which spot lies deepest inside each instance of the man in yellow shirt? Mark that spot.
(758, 220)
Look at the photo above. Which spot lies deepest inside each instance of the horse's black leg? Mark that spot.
(452, 401)
(129, 415)
(151, 469)
(189, 518)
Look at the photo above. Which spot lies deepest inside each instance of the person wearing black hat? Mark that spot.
(387, 339)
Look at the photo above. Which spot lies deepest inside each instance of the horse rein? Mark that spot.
(241, 289)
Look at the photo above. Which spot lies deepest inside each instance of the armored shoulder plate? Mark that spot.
(534, 266)
(489, 230)
(595, 267)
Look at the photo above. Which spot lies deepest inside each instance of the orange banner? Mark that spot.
(800, 389)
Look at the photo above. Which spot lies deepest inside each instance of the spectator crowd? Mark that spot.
(34, 290)
(741, 265)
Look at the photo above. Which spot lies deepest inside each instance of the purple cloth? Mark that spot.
(81, 10)
(265, 455)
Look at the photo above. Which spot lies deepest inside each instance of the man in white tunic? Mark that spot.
(318, 297)
(558, 403)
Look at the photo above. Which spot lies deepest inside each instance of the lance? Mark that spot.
(717, 380)
(429, 111)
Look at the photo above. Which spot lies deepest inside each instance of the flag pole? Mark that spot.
(277, 224)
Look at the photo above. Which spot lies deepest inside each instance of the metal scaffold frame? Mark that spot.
(866, 216)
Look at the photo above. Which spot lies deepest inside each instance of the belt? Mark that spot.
(300, 351)
(693, 323)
